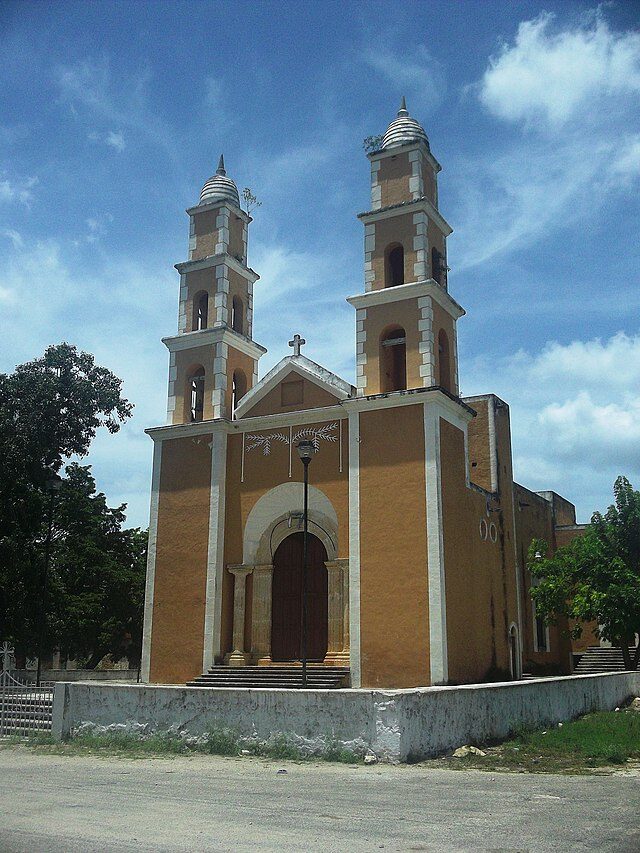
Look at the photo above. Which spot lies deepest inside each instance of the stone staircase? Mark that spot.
(274, 677)
(597, 659)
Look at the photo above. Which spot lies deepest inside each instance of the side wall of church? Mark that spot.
(480, 596)
(534, 520)
(394, 605)
(181, 561)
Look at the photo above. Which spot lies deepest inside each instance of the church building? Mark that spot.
(418, 535)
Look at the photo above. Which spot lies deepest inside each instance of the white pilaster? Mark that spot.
(215, 552)
(147, 625)
(439, 666)
(354, 547)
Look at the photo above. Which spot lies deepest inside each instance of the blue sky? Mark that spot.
(112, 116)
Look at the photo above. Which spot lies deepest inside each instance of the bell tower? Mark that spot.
(405, 320)
(213, 360)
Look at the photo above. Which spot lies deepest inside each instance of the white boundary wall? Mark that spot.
(398, 725)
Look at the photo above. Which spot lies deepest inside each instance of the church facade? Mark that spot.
(418, 533)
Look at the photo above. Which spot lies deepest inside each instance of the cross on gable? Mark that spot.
(296, 343)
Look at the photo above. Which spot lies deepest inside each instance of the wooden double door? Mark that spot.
(286, 602)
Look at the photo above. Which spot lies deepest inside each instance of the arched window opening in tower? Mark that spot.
(394, 272)
(393, 360)
(444, 361)
(195, 389)
(237, 315)
(437, 266)
(200, 311)
(239, 388)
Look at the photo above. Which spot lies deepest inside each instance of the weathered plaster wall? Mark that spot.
(396, 725)
(397, 229)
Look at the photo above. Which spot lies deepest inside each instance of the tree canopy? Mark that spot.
(50, 410)
(596, 577)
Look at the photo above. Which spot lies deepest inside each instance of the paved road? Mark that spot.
(71, 803)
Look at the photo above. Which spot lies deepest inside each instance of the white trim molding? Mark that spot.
(412, 290)
(354, 548)
(307, 369)
(215, 335)
(151, 565)
(215, 550)
(439, 663)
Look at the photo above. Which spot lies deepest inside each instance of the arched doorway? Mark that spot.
(286, 608)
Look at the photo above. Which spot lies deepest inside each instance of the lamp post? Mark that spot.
(52, 484)
(305, 451)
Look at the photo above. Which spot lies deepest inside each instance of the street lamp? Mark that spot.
(305, 451)
(52, 485)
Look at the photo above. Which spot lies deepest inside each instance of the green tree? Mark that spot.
(596, 577)
(50, 410)
(97, 575)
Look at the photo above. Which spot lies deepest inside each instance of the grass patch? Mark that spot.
(600, 739)
(217, 741)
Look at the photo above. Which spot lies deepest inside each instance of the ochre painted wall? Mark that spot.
(181, 561)
(534, 520)
(313, 397)
(206, 234)
(393, 177)
(479, 609)
(478, 443)
(394, 606)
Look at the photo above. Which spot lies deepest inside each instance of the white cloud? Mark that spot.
(627, 163)
(20, 189)
(14, 236)
(93, 87)
(584, 82)
(417, 76)
(575, 411)
(116, 140)
(554, 76)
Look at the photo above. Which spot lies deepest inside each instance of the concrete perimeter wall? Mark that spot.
(398, 725)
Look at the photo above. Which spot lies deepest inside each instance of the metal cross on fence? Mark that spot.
(7, 653)
(296, 343)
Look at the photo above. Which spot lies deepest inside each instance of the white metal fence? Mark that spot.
(24, 708)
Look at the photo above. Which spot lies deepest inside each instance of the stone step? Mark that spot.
(274, 677)
(597, 659)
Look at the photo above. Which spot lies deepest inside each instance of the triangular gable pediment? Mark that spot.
(307, 386)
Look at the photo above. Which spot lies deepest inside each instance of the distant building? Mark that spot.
(419, 534)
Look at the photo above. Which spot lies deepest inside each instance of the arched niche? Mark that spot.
(276, 515)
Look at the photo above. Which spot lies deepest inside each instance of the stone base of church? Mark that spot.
(396, 725)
